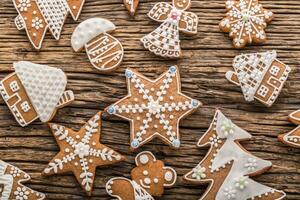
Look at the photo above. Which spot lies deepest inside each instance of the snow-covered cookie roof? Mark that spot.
(44, 86)
(251, 69)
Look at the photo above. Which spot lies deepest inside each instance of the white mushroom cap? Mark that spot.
(88, 30)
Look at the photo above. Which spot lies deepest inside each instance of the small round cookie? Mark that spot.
(104, 51)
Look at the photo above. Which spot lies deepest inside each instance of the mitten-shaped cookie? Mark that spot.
(149, 178)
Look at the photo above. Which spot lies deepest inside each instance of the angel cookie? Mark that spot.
(228, 167)
(131, 6)
(260, 75)
(245, 22)
(81, 152)
(35, 91)
(37, 16)
(292, 138)
(149, 178)
(164, 41)
(11, 184)
(104, 51)
(154, 107)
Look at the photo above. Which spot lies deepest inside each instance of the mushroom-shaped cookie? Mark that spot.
(104, 51)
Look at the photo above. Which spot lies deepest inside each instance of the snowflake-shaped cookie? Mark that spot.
(81, 152)
(154, 108)
(245, 21)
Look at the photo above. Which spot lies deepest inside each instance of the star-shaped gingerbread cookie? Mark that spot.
(245, 22)
(81, 152)
(154, 107)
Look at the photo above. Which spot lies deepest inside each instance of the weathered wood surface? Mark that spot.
(206, 58)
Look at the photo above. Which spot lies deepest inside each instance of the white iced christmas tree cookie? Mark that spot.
(35, 91)
(228, 167)
(164, 41)
(104, 51)
(37, 16)
(260, 75)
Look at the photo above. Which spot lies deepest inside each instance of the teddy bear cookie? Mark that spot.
(164, 41)
(149, 178)
(131, 6)
(154, 107)
(37, 16)
(11, 184)
(104, 51)
(292, 138)
(228, 167)
(260, 75)
(35, 91)
(81, 152)
(245, 22)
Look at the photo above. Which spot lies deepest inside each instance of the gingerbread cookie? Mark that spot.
(245, 22)
(149, 178)
(154, 107)
(131, 6)
(35, 91)
(37, 16)
(292, 138)
(11, 184)
(81, 152)
(260, 75)
(104, 51)
(164, 41)
(227, 167)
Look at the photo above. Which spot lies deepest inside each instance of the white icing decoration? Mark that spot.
(44, 86)
(24, 5)
(88, 30)
(164, 41)
(230, 193)
(144, 159)
(168, 176)
(37, 23)
(241, 182)
(199, 172)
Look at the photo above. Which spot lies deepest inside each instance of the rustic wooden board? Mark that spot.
(206, 58)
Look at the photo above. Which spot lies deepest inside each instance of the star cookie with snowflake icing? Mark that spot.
(245, 22)
(11, 184)
(81, 152)
(154, 107)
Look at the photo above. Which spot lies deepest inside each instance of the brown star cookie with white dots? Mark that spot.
(81, 152)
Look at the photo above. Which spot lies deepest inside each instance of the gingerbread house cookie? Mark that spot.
(104, 51)
(154, 107)
(260, 75)
(149, 178)
(11, 184)
(292, 138)
(35, 91)
(81, 152)
(164, 40)
(227, 168)
(37, 16)
(245, 22)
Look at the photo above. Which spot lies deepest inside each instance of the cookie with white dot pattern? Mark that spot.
(154, 107)
(245, 22)
(149, 178)
(81, 152)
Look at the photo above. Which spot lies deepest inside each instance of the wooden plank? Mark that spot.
(206, 58)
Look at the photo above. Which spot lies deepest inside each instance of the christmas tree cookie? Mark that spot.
(228, 167)
(261, 76)
(11, 184)
(35, 91)
(149, 178)
(81, 152)
(37, 16)
(292, 138)
(245, 22)
(164, 41)
(154, 107)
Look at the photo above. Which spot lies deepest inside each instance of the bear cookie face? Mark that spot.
(149, 178)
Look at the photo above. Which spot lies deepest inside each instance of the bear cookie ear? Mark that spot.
(170, 176)
(144, 157)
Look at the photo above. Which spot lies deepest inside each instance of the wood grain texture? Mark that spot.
(206, 58)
